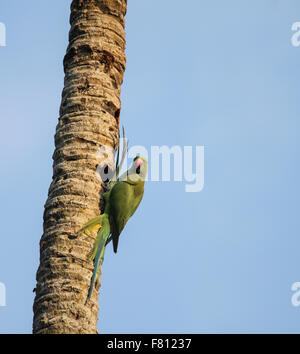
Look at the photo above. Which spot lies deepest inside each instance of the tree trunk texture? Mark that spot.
(94, 65)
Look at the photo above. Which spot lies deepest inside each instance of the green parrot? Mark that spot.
(121, 201)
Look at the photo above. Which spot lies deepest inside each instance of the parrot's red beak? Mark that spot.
(138, 162)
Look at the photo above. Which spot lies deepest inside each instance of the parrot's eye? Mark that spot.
(138, 170)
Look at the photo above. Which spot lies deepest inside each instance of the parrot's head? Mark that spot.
(140, 166)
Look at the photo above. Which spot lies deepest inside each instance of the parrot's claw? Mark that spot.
(91, 225)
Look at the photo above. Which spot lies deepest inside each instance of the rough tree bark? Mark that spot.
(94, 65)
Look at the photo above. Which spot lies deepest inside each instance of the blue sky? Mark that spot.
(219, 74)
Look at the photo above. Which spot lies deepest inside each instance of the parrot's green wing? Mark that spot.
(124, 200)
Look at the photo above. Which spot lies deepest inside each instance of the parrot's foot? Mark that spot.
(91, 225)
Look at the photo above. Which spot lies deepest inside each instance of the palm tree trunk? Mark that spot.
(89, 115)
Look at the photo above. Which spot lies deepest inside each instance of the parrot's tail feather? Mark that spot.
(115, 243)
(91, 224)
(97, 253)
(98, 277)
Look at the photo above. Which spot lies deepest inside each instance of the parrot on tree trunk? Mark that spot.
(121, 201)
